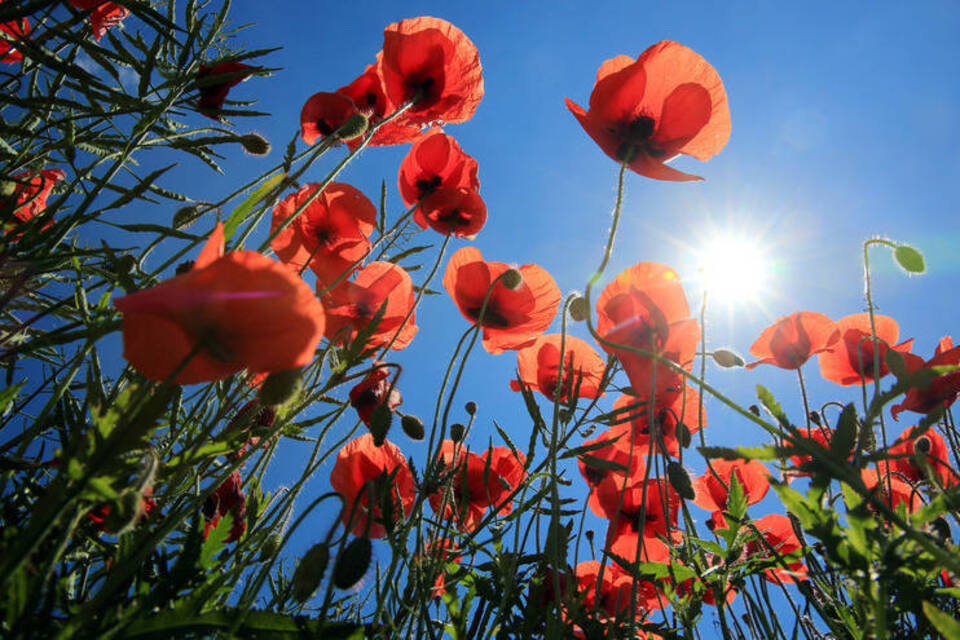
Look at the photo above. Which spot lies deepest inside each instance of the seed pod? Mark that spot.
(457, 431)
(412, 426)
(279, 387)
(579, 310)
(680, 480)
(352, 563)
(255, 144)
(355, 126)
(727, 358)
(922, 445)
(309, 573)
(470, 408)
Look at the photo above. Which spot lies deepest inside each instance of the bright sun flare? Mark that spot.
(734, 268)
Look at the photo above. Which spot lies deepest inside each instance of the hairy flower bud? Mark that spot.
(279, 387)
(255, 144)
(352, 563)
(185, 216)
(727, 358)
(579, 309)
(412, 426)
(457, 432)
(309, 573)
(512, 279)
(355, 126)
(470, 407)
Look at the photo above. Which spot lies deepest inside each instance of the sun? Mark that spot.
(734, 268)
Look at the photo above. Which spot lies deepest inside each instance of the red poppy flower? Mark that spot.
(670, 410)
(709, 595)
(442, 552)
(253, 416)
(820, 435)
(430, 61)
(215, 82)
(646, 308)
(712, 495)
(645, 112)
(435, 161)
(616, 450)
(15, 30)
(791, 340)
(323, 113)
(228, 498)
(30, 193)
(514, 317)
(331, 233)
(351, 305)
(477, 482)
(458, 211)
(241, 310)
(648, 512)
(851, 360)
(941, 391)
(103, 16)
(892, 490)
(616, 588)
(373, 391)
(539, 367)
(912, 449)
(100, 515)
(362, 469)
(779, 537)
(370, 100)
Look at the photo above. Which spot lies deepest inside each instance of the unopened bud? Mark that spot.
(755, 410)
(352, 563)
(355, 126)
(683, 435)
(815, 418)
(512, 279)
(279, 387)
(727, 358)
(412, 426)
(185, 216)
(579, 310)
(309, 573)
(922, 445)
(680, 480)
(255, 144)
(470, 408)
(270, 546)
(380, 421)
(457, 431)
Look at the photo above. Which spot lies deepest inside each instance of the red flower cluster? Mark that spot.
(103, 15)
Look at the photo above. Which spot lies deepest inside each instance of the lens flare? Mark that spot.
(734, 268)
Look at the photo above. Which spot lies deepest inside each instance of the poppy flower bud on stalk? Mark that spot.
(185, 216)
(279, 387)
(457, 432)
(727, 358)
(412, 426)
(579, 309)
(352, 564)
(470, 407)
(255, 144)
(309, 573)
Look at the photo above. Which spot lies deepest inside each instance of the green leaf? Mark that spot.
(843, 439)
(599, 463)
(736, 499)
(216, 538)
(944, 622)
(909, 259)
(9, 394)
(771, 405)
(243, 210)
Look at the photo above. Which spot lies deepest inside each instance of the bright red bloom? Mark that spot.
(712, 495)
(911, 449)
(477, 482)
(616, 451)
(645, 112)
(352, 304)
(435, 161)
(370, 100)
(104, 15)
(364, 470)
(323, 113)
(646, 308)
(458, 211)
(215, 82)
(941, 391)
(514, 317)
(852, 360)
(331, 233)
(670, 410)
(790, 341)
(430, 61)
(239, 311)
(648, 512)
(616, 588)
(892, 490)
(228, 498)
(373, 391)
(15, 30)
(539, 367)
(30, 193)
(820, 435)
(779, 536)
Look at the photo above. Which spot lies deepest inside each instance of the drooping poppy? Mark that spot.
(229, 312)
(432, 63)
(892, 490)
(14, 30)
(370, 100)
(513, 318)
(852, 359)
(593, 465)
(435, 161)
(780, 546)
(353, 304)
(374, 390)
(460, 212)
(214, 83)
(104, 15)
(912, 450)
(539, 367)
(647, 512)
(376, 485)
(30, 192)
(790, 341)
(331, 234)
(712, 494)
(941, 391)
(227, 498)
(646, 308)
(644, 112)
(323, 113)
(477, 482)
(671, 409)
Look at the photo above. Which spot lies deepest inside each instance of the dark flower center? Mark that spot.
(636, 139)
(427, 186)
(324, 127)
(637, 521)
(594, 476)
(491, 317)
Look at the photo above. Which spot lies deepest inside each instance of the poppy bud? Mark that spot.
(470, 408)
(355, 126)
(457, 431)
(270, 546)
(255, 144)
(279, 387)
(755, 410)
(352, 563)
(309, 573)
(412, 426)
(815, 418)
(909, 259)
(727, 358)
(512, 279)
(185, 216)
(380, 421)
(589, 534)
(941, 528)
(922, 445)
(683, 435)
(579, 309)
(680, 480)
